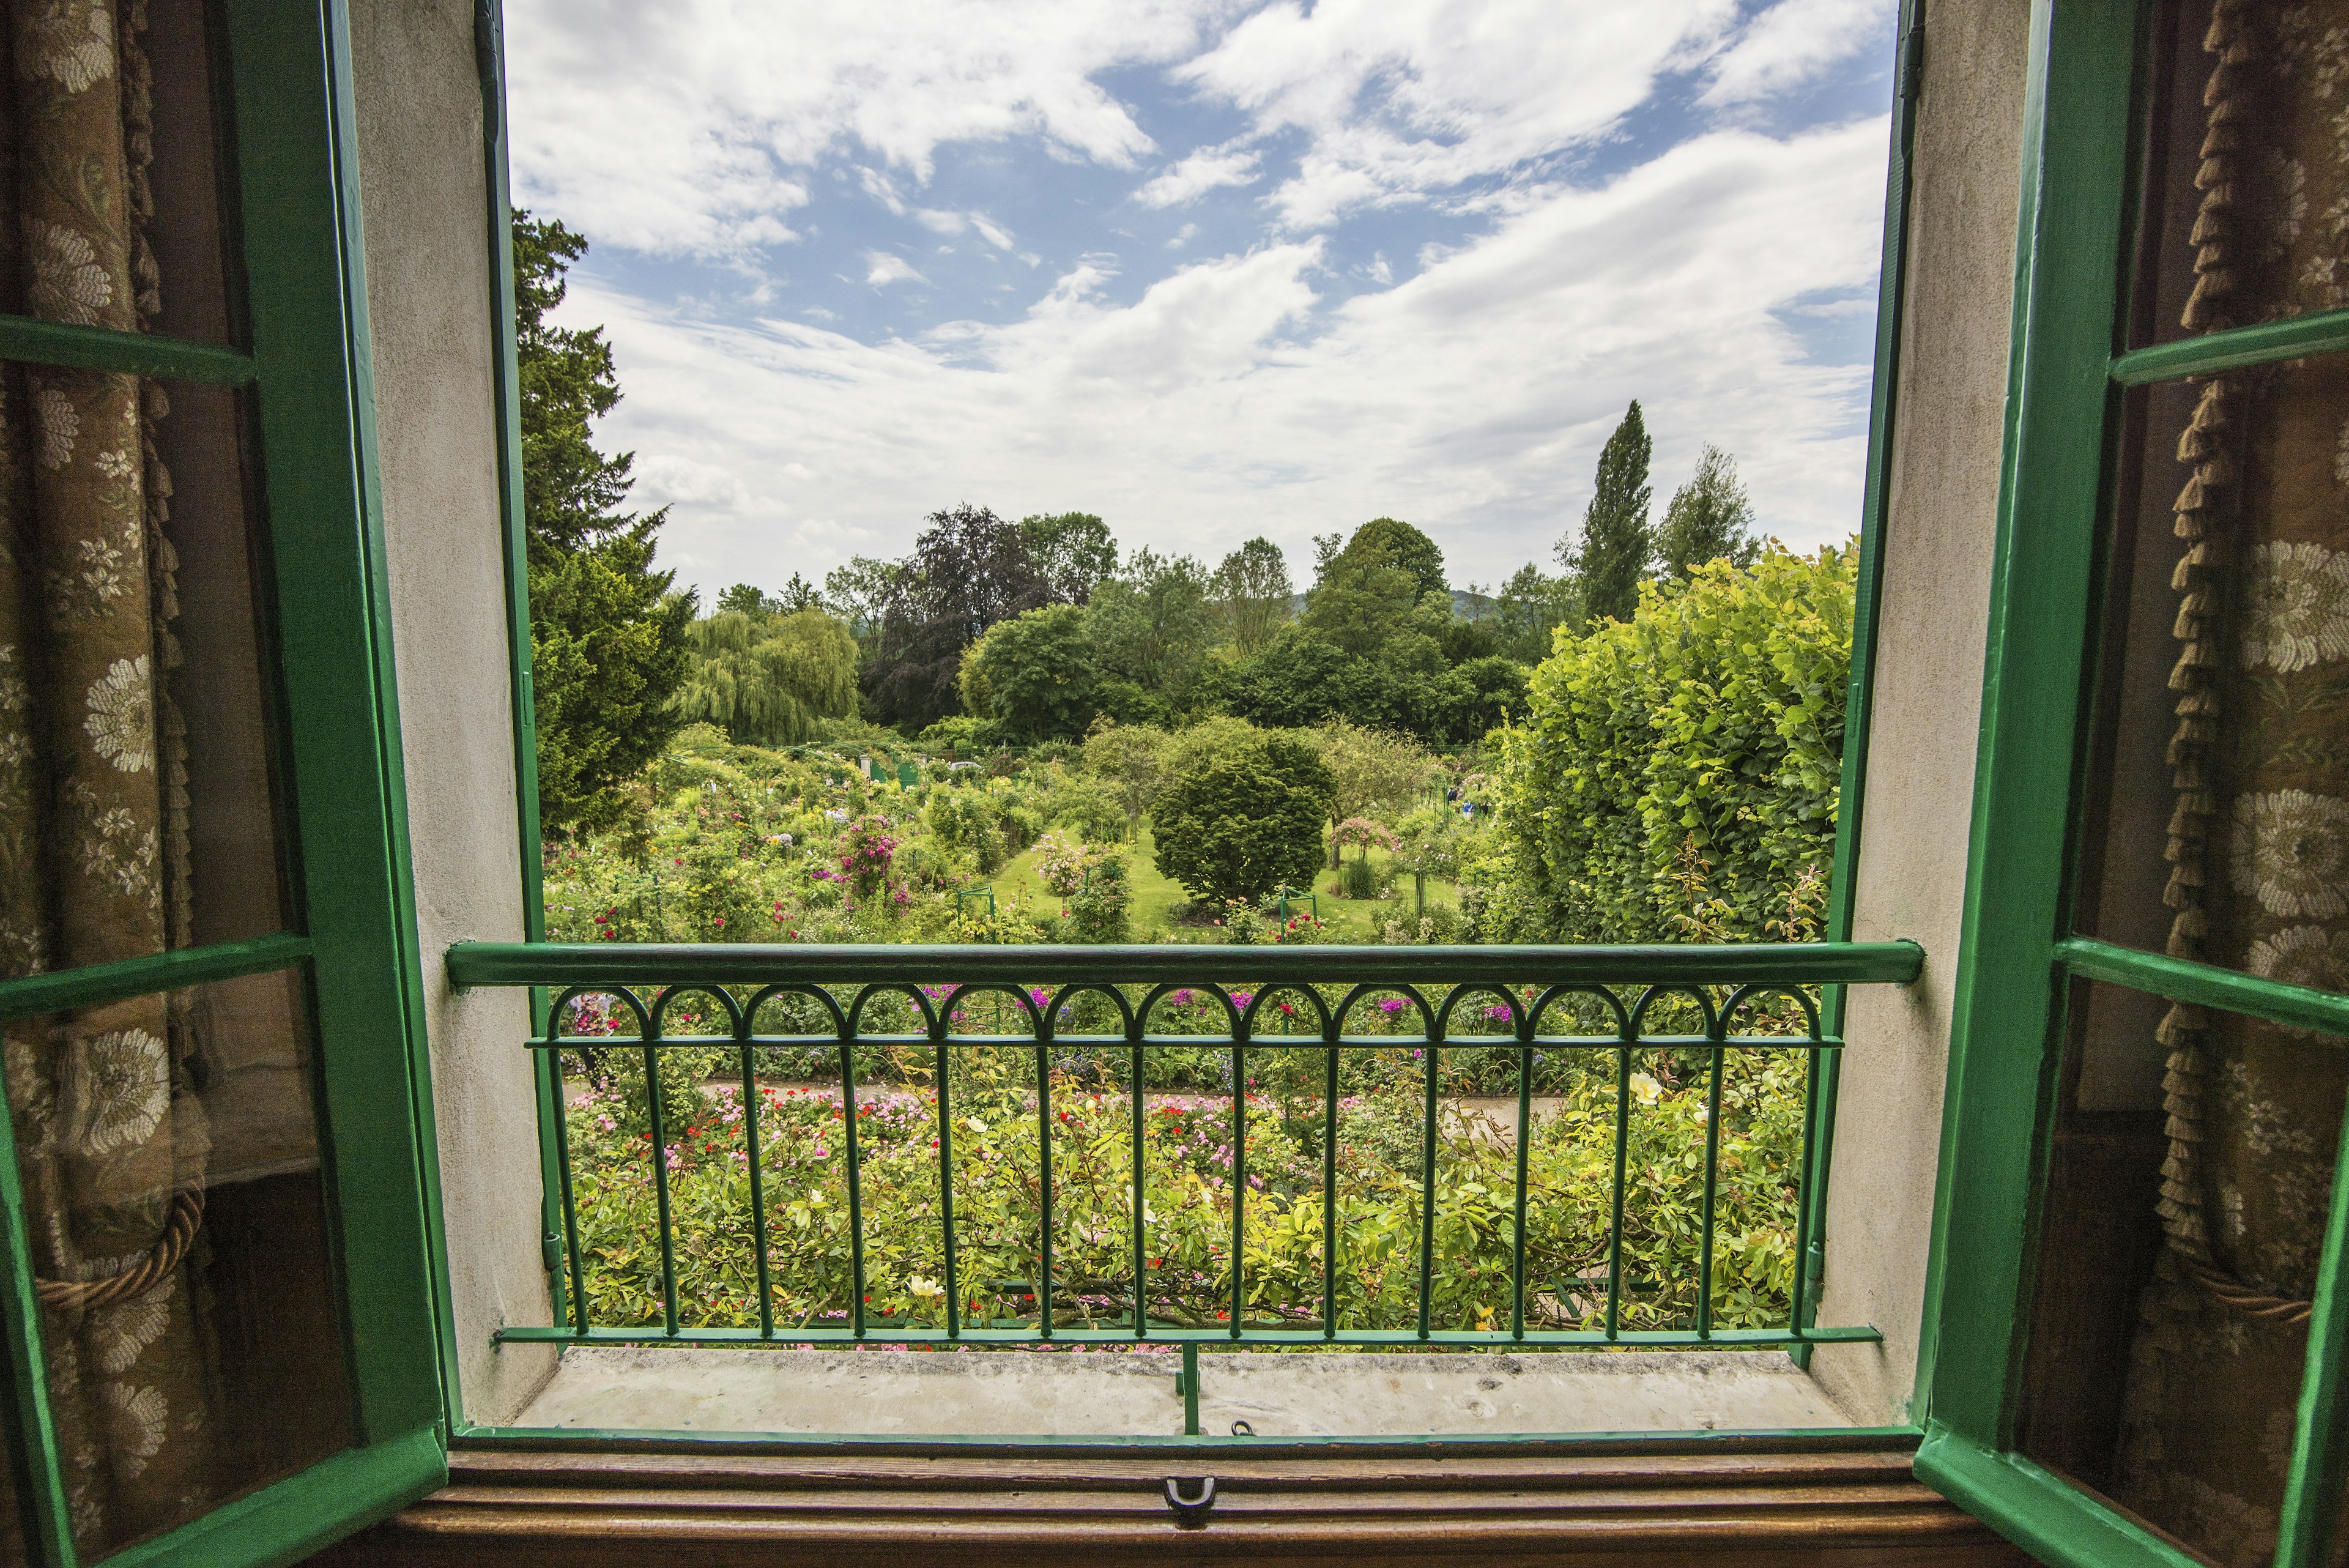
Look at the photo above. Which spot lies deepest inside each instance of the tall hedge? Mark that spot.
(1703, 738)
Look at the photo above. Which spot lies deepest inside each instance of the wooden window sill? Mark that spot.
(606, 1510)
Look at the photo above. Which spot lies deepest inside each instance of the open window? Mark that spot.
(2139, 1320)
(218, 1321)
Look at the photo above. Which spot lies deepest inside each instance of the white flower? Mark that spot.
(1645, 1089)
(61, 422)
(71, 42)
(2296, 606)
(70, 283)
(123, 1333)
(104, 578)
(2289, 852)
(925, 1288)
(134, 1419)
(123, 854)
(122, 722)
(117, 1090)
(114, 465)
(2303, 955)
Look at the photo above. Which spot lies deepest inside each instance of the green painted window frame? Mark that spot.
(307, 371)
(2067, 371)
(1908, 63)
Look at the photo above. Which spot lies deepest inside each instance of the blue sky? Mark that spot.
(1210, 268)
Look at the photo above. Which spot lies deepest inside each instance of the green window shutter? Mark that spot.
(2025, 990)
(350, 963)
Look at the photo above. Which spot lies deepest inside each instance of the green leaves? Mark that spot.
(1189, 1183)
(1241, 818)
(1705, 737)
(606, 635)
(766, 678)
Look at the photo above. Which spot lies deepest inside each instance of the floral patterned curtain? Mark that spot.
(2258, 843)
(93, 789)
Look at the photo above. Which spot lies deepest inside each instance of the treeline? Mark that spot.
(995, 631)
(992, 631)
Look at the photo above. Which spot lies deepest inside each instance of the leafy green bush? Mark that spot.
(1358, 880)
(1239, 819)
(1700, 746)
(966, 819)
(1085, 806)
(1098, 909)
(1188, 1184)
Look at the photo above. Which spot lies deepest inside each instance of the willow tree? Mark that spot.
(765, 680)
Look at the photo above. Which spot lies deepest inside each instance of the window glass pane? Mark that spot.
(137, 803)
(111, 163)
(172, 1187)
(2245, 212)
(2218, 819)
(2188, 1178)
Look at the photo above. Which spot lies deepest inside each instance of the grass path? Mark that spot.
(1018, 886)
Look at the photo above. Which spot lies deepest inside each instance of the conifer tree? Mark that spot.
(606, 632)
(1617, 544)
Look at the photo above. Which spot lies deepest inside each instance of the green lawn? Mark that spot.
(1018, 886)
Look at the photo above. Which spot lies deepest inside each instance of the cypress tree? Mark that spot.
(1617, 544)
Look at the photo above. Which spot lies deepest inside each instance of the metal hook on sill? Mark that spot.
(1191, 1513)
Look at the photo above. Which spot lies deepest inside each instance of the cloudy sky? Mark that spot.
(1210, 268)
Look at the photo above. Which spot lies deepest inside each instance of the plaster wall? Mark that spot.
(1937, 542)
(423, 206)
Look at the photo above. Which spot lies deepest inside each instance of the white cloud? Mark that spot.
(1183, 236)
(1226, 401)
(995, 235)
(1791, 44)
(887, 269)
(686, 129)
(1201, 172)
(1401, 97)
(940, 222)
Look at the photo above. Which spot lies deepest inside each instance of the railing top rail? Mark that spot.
(753, 963)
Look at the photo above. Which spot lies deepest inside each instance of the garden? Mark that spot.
(969, 1151)
(1674, 780)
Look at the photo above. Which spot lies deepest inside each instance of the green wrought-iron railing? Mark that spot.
(1714, 986)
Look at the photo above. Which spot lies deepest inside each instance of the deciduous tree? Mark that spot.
(969, 569)
(1034, 673)
(1710, 518)
(765, 678)
(1151, 626)
(1251, 596)
(1073, 552)
(1128, 758)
